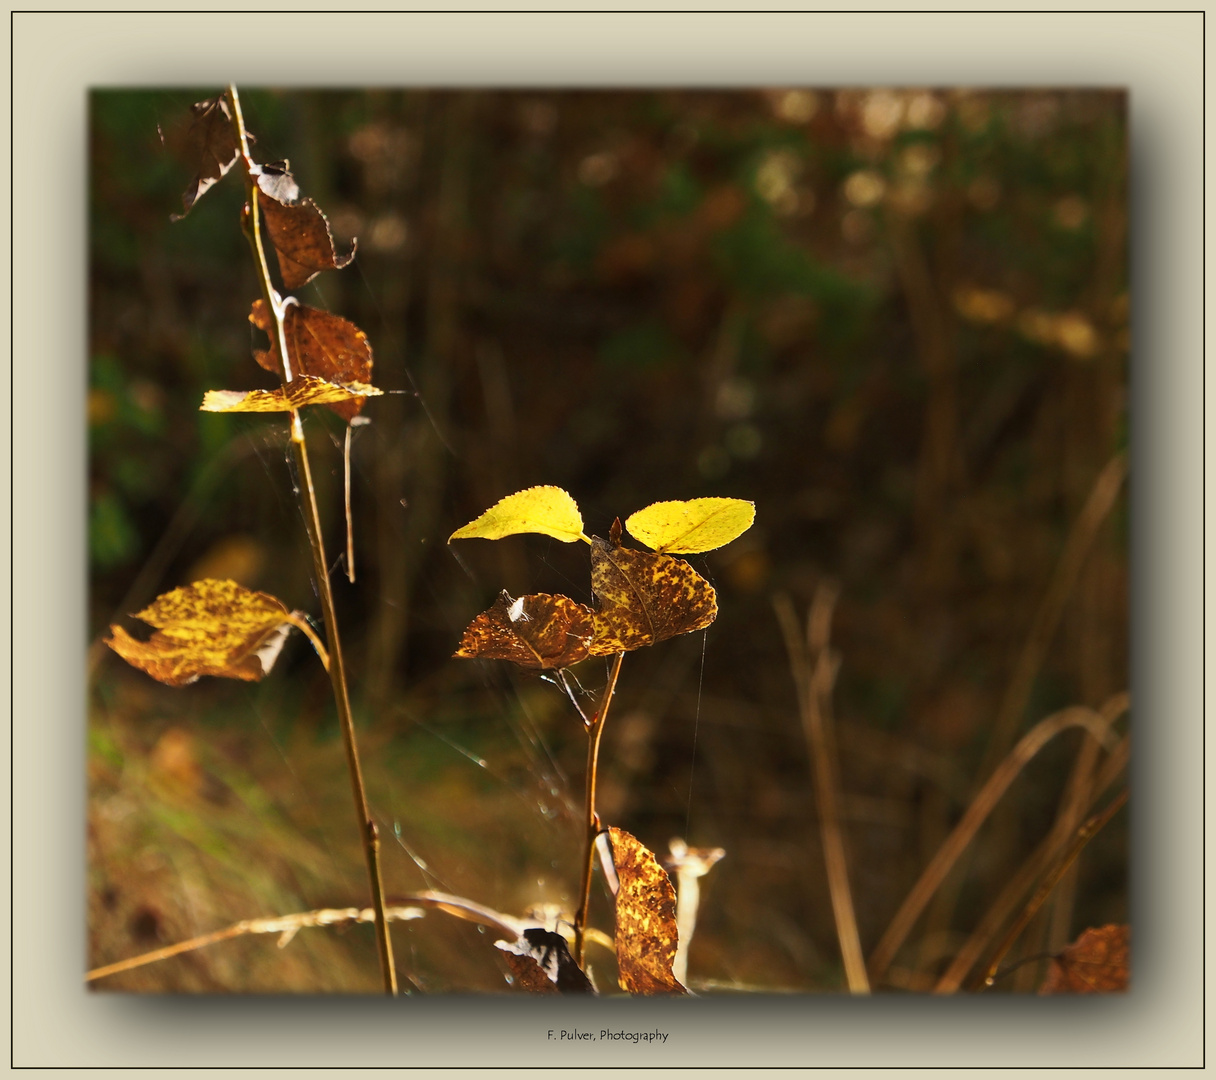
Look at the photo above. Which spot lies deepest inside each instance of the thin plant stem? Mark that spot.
(1083, 836)
(312, 521)
(814, 669)
(977, 813)
(595, 731)
(350, 523)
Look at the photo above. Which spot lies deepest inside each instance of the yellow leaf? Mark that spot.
(211, 627)
(547, 510)
(302, 391)
(691, 526)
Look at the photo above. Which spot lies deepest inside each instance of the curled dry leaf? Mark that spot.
(297, 228)
(301, 392)
(320, 344)
(209, 146)
(1096, 963)
(644, 597)
(547, 510)
(693, 525)
(211, 627)
(537, 631)
(646, 935)
(540, 962)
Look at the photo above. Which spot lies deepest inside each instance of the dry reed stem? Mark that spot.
(1082, 837)
(286, 925)
(410, 907)
(814, 668)
(965, 831)
(1079, 797)
(1080, 539)
(995, 917)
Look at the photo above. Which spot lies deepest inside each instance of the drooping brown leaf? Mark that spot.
(646, 935)
(644, 597)
(537, 631)
(209, 146)
(1096, 963)
(297, 229)
(211, 627)
(320, 344)
(540, 962)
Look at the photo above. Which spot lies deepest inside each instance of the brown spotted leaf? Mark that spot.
(297, 229)
(211, 627)
(537, 631)
(320, 344)
(1096, 963)
(301, 392)
(646, 936)
(644, 597)
(210, 147)
(540, 962)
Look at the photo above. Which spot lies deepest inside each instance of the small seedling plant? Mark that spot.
(643, 597)
(220, 628)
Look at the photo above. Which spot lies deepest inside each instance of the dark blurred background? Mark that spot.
(896, 320)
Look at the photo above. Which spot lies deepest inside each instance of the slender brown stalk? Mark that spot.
(964, 832)
(1083, 836)
(814, 669)
(312, 522)
(595, 731)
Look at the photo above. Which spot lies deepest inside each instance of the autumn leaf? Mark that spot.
(210, 147)
(319, 344)
(540, 962)
(1096, 963)
(211, 627)
(547, 510)
(536, 631)
(644, 597)
(301, 392)
(297, 229)
(691, 526)
(646, 936)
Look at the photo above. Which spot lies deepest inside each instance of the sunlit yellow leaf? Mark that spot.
(302, 391)
(690, 526)
(547, 510)
(646, 935)
(209, 628)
